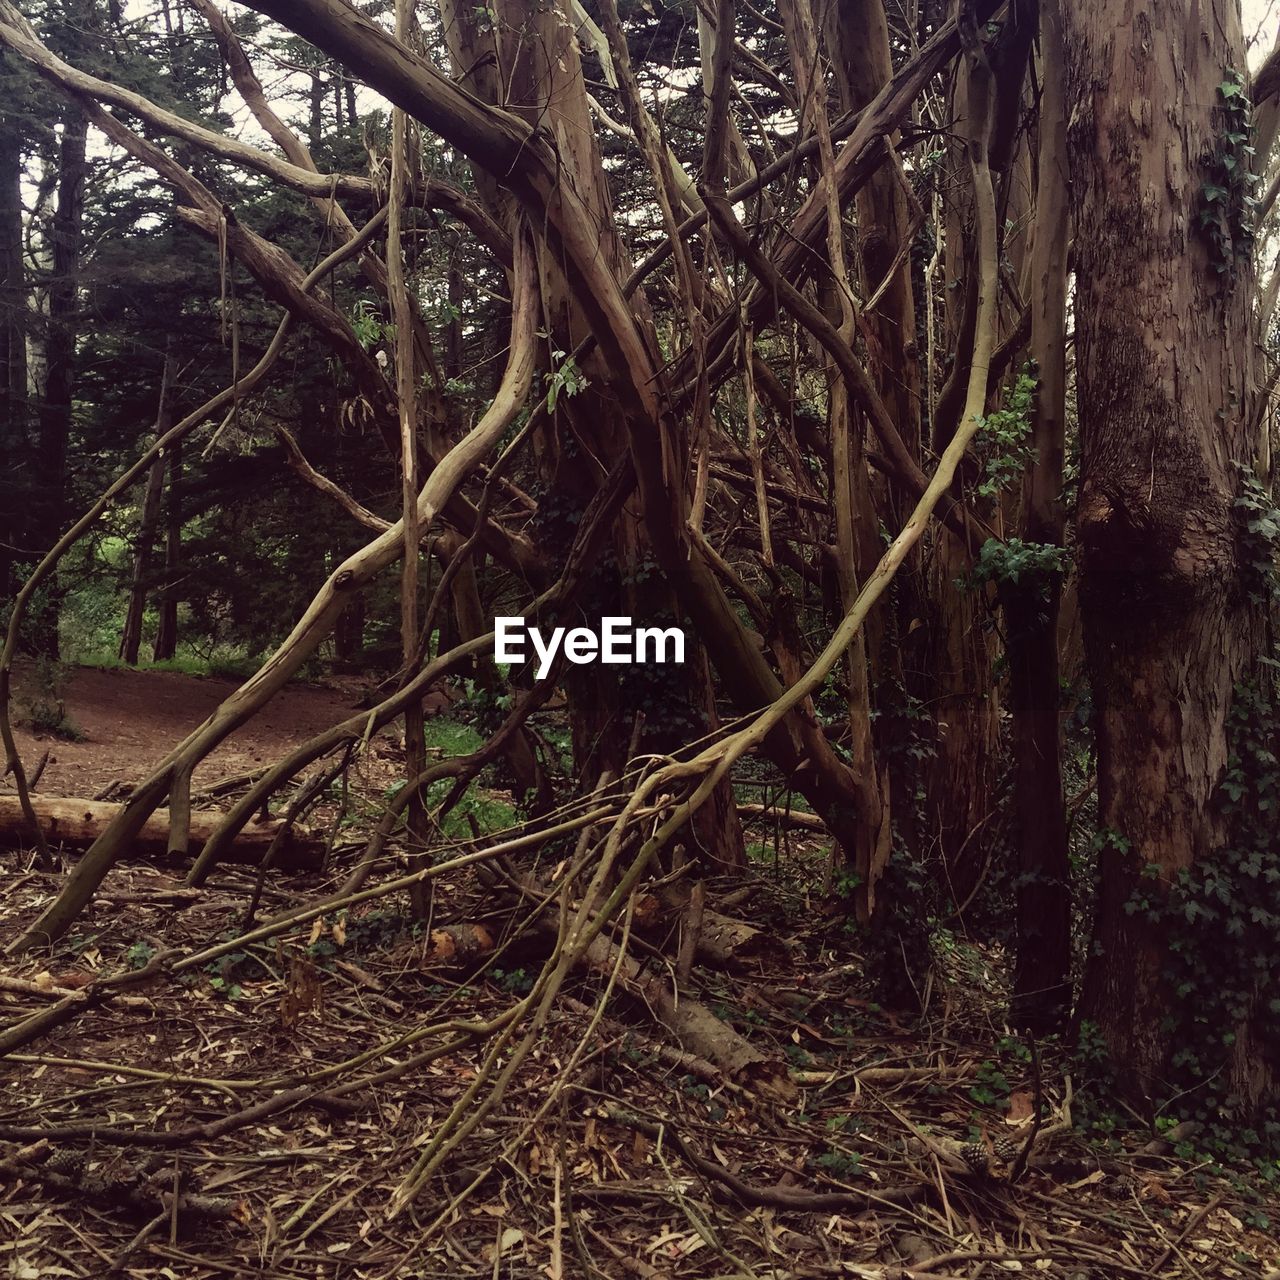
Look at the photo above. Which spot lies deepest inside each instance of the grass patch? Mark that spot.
(448, 738)
(229, 666)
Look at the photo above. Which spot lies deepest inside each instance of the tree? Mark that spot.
(1168, 427)
(713, 357)
(14, 316)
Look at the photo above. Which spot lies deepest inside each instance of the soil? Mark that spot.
(128, 720)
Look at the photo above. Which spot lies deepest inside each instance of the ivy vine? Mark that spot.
(1228, 208)
(1259, 537)
(1015, 561)
(1222, 919)
(1003, 442)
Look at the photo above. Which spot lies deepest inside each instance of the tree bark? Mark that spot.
(1164, 362)
(166, 642)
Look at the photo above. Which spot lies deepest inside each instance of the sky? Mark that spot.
(1260, 21)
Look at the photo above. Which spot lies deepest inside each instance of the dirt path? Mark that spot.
(130, 719)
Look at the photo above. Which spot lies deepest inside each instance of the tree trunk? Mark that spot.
(166, 645)
(859, 35)
(60, 355)
(417, 826)
(348, 631)
(1164, 359)
(1042, 991)
(958, 683)
(131, 634)
(14, 444)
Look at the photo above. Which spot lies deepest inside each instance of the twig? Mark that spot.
(34, 781)
(770, 1197)
(1019, 1165)
(1191, 1224)
(117, 1263)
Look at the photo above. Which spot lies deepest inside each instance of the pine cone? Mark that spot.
(981, 1159)
(69, 1163)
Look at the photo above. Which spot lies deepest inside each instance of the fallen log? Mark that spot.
(793, 817)
(697, 1030)
(77, 823)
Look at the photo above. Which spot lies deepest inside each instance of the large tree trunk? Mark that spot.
(1164, 352)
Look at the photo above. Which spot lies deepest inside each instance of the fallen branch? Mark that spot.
(793, 817)
(174, 1139)
(49, 991)
(136, 1194)
(78, 823)
(770, 1197)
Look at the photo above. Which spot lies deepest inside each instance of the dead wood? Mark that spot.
(793, 817)
(458, 946)
(725, 941)
(99, 992)
(175, 1139)
(136, 1192)
(77, 823)
(771, 1197)
(695, 1027)
(51, 989)
(697, 1030)
(722, 941)
(687, 1063)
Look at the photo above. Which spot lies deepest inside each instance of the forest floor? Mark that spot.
(120, 721)
(287, 1087)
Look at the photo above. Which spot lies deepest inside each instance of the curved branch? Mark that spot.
(293, 173)
(901, 465)
(298, 461)
(357, 570)
(18, 34)
(224, 398)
